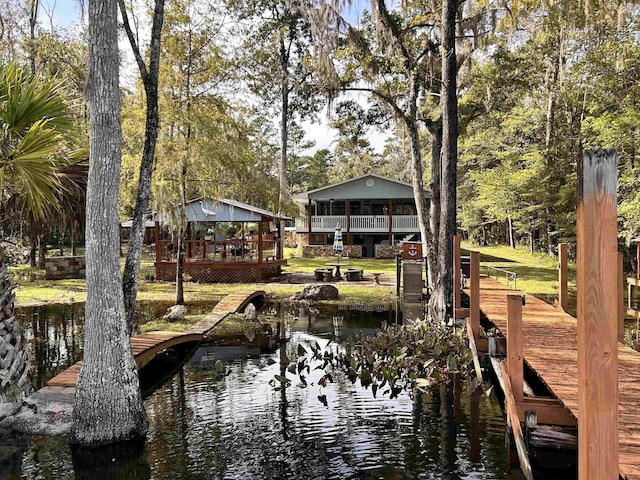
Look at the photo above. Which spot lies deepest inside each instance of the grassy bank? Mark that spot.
(537, 275)
(33, 289)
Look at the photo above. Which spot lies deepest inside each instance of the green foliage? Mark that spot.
(33, 146)
(398, 357)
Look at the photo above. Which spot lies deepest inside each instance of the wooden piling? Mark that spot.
(514, 345)
(621, 309)
(563, 297)
(457, 266)
(597, 316)
(474, 298)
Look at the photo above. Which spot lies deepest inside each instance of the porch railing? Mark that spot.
(359, 223)
(218, 250)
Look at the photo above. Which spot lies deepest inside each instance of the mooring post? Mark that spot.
(562, 276)
(597, 316)
(457, 267)
(621, 311)
(474, 298)
(514, 345)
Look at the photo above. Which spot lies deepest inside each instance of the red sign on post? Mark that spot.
(412, 251)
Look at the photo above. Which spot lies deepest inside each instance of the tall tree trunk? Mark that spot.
(553, 81)
(434, 190)
(42, 251)
(442, 297)
(417, 174)
(150, 82)
(108, 405)
(183, 180)
(181, 236)
(33, 22)
(510, 232)
(33, 253)
(284, 129)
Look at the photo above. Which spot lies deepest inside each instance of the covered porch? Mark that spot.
(226, 242)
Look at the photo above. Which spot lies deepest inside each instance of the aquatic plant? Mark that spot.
(418, 354)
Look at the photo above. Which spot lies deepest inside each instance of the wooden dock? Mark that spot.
(147, 345)
(550, 349)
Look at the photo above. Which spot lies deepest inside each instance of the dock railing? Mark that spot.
(509, 276)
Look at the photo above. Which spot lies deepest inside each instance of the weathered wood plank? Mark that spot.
(514, 345)
(597, 283)
(563, 296)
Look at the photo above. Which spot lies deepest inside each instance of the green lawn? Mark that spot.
(536, 274)
(33, 289)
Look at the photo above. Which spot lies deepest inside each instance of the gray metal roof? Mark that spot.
(221, 210)
(369, 186)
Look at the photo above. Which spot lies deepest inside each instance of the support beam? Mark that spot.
(514, 346)
(474, 299)
(389, 208)
(548, 410)
(563, 297)
(456, 272)
(597, 316)
(156, 227)
(348, 212)
(260, 248)
(309, 217)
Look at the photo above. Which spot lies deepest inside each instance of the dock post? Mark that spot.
(562, 276)
(597, 316)
(457, 267)
(621, 310)
(474, 297)
(514, 346)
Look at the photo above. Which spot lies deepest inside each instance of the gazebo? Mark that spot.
(248, 250)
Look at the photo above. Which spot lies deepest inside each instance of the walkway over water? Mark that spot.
(550, 348)
(147, 345)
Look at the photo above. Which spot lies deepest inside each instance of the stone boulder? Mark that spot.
(250, 313)
(175, 313)
(318, 292)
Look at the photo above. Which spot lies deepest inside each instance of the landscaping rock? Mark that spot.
(250, 313)
(175, 313)
(318, 292)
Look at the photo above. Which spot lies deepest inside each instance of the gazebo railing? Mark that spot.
(218, 250)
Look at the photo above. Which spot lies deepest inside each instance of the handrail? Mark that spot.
(509, 276)
(218, 250)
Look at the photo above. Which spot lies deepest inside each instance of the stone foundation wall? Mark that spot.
(386, 251)
(59, 268)
(313, 251)
(291, 239)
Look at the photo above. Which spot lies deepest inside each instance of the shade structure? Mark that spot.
(338, 246)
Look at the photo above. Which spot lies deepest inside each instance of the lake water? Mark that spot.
(239, 426)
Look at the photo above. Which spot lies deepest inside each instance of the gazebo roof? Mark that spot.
(220, 210)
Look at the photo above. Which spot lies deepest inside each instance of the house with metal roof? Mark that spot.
(371, 210)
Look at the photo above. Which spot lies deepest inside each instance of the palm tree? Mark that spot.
(33, 155)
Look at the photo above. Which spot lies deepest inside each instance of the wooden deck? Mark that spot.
(550, 349)
(147, 345)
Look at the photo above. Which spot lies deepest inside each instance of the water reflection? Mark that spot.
(238, 426)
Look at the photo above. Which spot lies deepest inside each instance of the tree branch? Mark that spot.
(132, 40)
